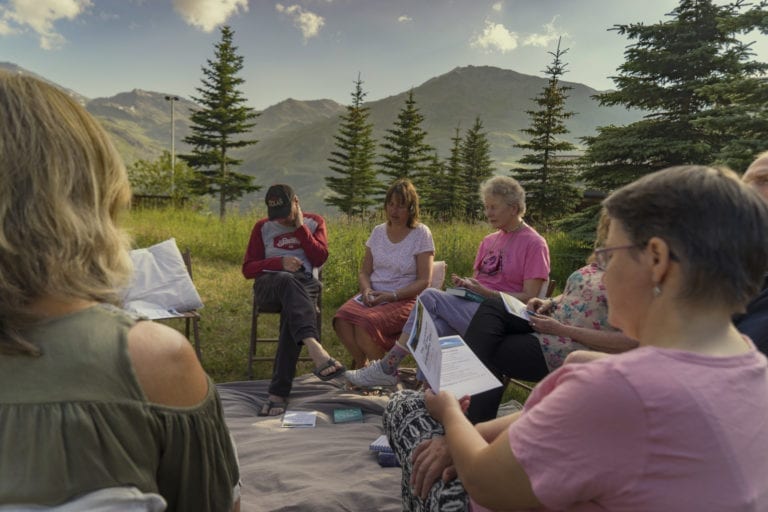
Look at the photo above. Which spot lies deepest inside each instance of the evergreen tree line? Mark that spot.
(703, 95)
(361, 175)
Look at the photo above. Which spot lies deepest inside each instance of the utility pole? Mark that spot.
(173, 145)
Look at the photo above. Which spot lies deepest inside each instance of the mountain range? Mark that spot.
(296, 137)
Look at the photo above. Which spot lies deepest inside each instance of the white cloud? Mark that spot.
(6, 29)
(40, 16)
(404, 18)
(308, 22)
(497, 6)
(495, 36)
(549, 36)
(208, 14)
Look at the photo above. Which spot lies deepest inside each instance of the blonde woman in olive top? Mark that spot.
(90, 400)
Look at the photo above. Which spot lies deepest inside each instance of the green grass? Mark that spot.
(217, 251)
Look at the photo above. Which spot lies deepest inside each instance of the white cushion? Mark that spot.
(438, 274)
(160, 280)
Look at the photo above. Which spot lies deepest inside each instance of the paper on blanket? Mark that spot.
(299, 419)
(447, 363)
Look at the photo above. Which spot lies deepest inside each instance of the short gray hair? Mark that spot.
(714, 224)
(509, 189)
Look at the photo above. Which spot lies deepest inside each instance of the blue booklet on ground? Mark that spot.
(348, 415)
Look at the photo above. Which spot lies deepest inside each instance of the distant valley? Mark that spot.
(296, 137)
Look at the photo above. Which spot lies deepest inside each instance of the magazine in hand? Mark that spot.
(518, 309)
(464, 293)
(447, 363)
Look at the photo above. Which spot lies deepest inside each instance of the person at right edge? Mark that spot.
(754, 320)
(678, 424)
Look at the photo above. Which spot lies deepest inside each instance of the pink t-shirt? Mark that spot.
(394, 265)
(505, 260)
(649, 430)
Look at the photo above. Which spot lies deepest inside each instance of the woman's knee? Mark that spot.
(431, 296)
(400, 406)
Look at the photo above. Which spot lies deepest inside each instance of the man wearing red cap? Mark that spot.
(282, 253)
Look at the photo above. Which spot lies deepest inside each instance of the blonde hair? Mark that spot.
(757, 169)
(601, 233)
(63, 186)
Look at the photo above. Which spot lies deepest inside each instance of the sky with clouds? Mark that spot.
(312, 49)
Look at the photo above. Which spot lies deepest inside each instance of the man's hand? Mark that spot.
(298, 217)
(291, 263)
(431, 460)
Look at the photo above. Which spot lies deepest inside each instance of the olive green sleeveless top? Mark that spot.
(75, 420)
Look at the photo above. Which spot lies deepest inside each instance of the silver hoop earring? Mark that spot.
(656, 290)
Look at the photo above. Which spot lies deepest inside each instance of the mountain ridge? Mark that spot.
(296, 136)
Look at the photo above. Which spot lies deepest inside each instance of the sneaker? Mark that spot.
(371, 376)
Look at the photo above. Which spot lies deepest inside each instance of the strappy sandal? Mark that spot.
(270, 406)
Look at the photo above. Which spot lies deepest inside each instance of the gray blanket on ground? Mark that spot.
(328, 467)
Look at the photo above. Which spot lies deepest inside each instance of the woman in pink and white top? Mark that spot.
(396, 267)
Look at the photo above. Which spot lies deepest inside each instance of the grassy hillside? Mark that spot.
(217, 250)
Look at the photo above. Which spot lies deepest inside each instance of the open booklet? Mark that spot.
(447, 363)
(521, 316)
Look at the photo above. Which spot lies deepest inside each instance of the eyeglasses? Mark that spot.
(603, 255)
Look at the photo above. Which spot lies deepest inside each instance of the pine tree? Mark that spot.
(547, 179)
(449, 191)
(219, 126)
(477, 166)
(431, 197)
(353, 158)
(705, 99)
(406, 154)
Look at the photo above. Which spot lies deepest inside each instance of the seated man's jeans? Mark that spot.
(297, 293)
